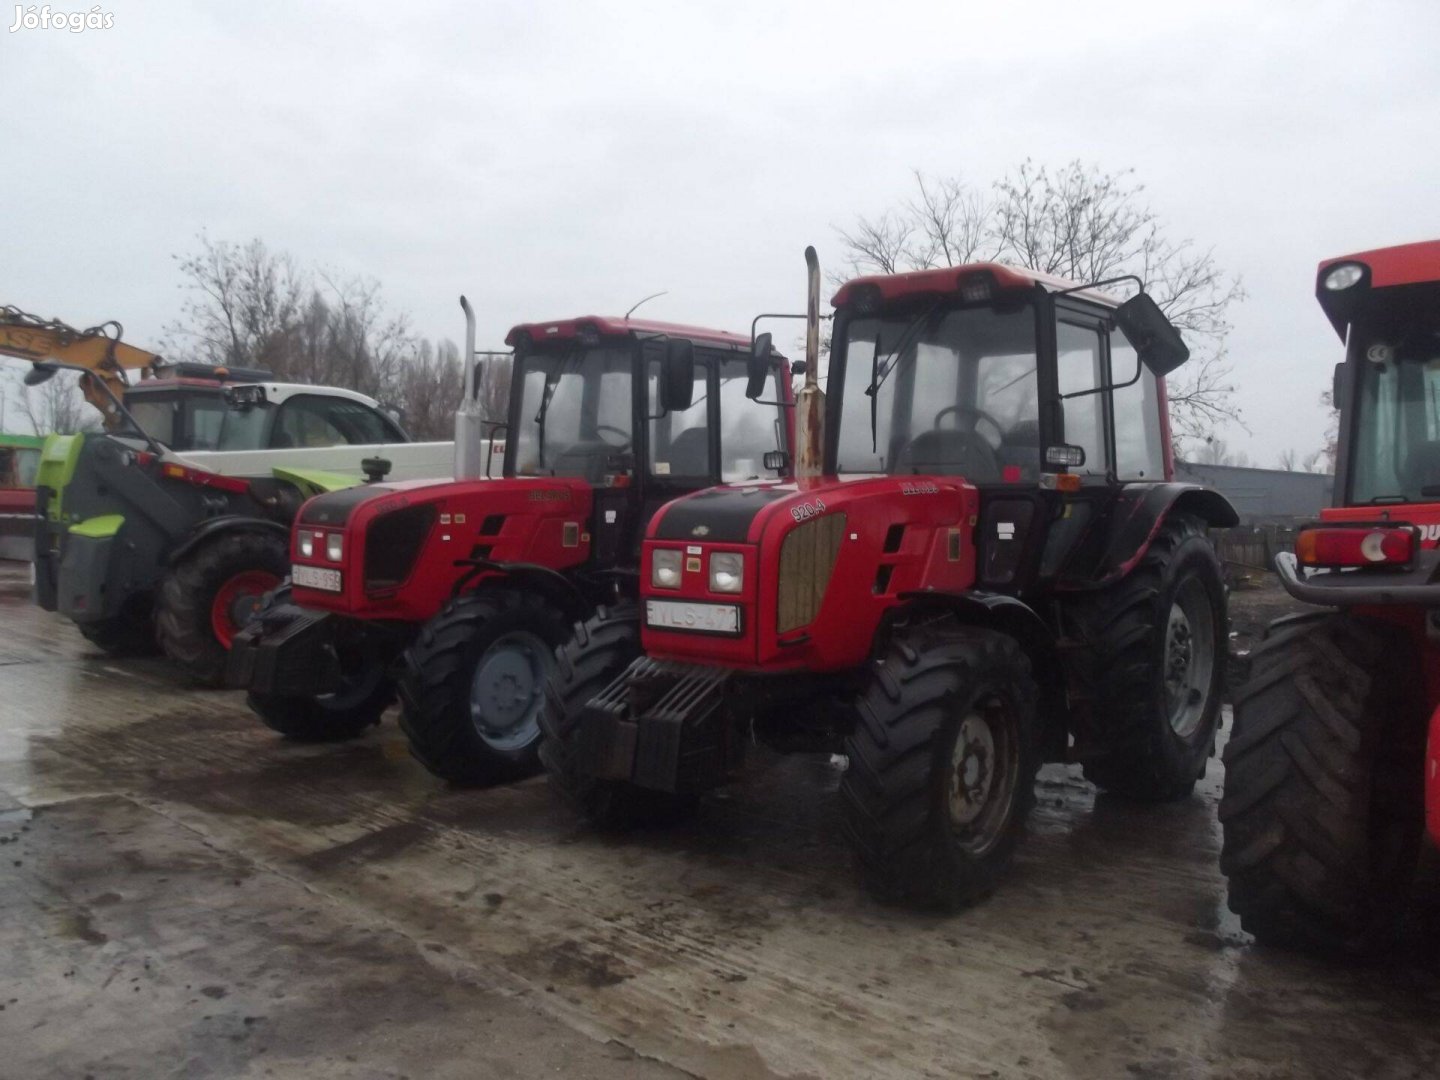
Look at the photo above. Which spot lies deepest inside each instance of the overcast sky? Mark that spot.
(554, 158)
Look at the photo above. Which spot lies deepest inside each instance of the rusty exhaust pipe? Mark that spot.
(810, 402)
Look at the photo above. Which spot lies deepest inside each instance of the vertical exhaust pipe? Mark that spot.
(810, 402)
(469, 430)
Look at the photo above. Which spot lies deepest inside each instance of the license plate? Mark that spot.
(706, 618)
(315, 577)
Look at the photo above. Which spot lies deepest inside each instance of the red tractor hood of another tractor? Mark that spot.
(404, 544)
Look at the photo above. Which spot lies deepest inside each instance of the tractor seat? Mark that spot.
(689, 454)
(950, 453)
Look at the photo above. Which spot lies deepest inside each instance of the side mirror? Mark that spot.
(777, 461)
(1157, 341)
(759, 371)
(677, 382)
(41, 371)
(798, 367)
(1337, 387)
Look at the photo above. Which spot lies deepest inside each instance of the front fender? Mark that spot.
(997, 611)
(226, 523)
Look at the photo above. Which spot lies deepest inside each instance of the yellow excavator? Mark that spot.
(101, 354)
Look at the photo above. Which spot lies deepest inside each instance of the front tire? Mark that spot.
(212, 594)
(1154, 670)
(1323, 809)
(472, 684)
(366, 691)
(942, 763)
(596, 655)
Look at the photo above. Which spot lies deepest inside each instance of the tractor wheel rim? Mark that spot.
(238, 601)
(508, 690)
(1189, 660)
(982, 776)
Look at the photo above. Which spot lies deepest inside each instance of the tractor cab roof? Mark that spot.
(1405, 266)
(600, 326)
(972, 280)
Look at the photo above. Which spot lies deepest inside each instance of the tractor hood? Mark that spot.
(740, 513)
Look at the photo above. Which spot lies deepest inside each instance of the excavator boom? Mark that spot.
(98, 350)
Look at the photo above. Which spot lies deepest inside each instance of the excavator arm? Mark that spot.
(98, 350)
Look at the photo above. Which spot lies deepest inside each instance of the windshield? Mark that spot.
(1396, 454)
(575, 411)
(957, 396)
(199, 421)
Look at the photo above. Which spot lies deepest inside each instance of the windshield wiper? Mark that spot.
(877, 377)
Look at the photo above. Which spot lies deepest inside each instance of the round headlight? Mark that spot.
(665, 569)
(334, 546)
(727, 572)
(1343, 276)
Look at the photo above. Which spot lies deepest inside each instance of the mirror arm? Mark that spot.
(1139, 369)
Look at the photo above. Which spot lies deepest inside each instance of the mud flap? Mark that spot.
(1432, 779)
(288, 651)
(659, 725)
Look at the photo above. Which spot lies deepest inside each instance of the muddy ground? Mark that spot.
(184, 894)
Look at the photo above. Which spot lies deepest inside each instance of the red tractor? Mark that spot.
(992, 569)
(481, 579)
(1332, 771)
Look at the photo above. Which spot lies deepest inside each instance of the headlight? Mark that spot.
(727, 571)
(665, 569)
(307, 545)
(334, 546)
(1343, 276)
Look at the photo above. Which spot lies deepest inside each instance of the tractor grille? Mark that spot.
(807, 558)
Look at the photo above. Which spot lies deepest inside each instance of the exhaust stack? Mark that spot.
(469, 429)
(810, 402)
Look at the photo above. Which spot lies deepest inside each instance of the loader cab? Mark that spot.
(992, 376)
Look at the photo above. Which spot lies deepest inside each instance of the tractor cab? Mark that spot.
(1385, 522)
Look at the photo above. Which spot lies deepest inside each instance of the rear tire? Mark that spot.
(211, 594)
(599, 652)
(1323, 809)
(472, 684)
(942, 763)
(1154, 670)
(367, 691)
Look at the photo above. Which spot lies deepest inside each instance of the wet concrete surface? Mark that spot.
(184, 894)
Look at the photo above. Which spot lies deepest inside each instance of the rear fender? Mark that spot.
(1138, 514)
(1015, 618)
(228, 523)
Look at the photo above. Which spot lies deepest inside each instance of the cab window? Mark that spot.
(1080, 367)
(680, 438)
(310, 420)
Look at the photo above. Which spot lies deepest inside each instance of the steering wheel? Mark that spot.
(624, 436)
(977, 417)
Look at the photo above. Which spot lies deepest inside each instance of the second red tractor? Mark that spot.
(983, 565)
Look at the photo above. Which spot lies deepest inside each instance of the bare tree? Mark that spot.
(1289, 461)
(1076, 222)
(1215, 451)
(248, 306)
(57, 407)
